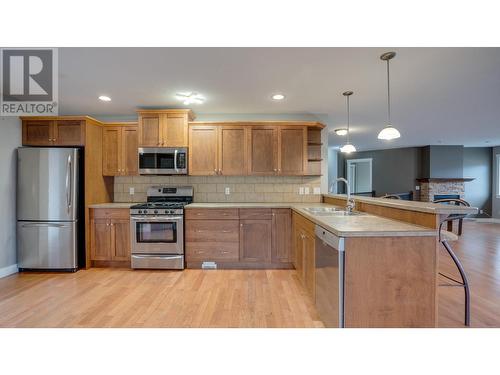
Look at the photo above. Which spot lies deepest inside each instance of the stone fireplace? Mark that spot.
(434, 188)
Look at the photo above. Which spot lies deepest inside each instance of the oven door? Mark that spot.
(157, 234)
(162, 160)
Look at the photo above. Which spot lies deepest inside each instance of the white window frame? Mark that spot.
(498, 175)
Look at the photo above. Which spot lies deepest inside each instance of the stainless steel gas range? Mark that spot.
(157, 228)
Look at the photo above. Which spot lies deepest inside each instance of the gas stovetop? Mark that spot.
(164, 201)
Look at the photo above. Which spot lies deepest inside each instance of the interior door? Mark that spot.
(233, 150)
(37, 133)
(68, 133)
(130, 144)
(111, 149)
(149, 131)
(263, 150)
(202, 150)
(292, 150)
(255, 240)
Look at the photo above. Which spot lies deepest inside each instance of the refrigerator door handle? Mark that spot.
(44, 225)
(68, 184)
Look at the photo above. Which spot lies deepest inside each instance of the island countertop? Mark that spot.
(364, 225)
(429, 207)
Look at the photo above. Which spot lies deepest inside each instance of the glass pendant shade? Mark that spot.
(388, 133)
(347, 148)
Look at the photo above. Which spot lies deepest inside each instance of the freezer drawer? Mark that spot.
(47, 245)
(169, 262)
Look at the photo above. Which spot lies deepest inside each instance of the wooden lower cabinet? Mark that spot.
(239, 238)
(255, 241)
(304, 252)
(109, 236)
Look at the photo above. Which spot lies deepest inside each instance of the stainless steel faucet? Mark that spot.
(350, 201)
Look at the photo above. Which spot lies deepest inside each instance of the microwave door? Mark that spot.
(147, 162)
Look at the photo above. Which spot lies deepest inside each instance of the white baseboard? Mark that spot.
(9, 270)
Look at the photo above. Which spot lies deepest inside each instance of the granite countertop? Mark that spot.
(365, 225)
(434, 208)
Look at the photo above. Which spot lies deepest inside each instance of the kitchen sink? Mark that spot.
(330, 211)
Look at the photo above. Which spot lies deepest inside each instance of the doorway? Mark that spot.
(359, 175)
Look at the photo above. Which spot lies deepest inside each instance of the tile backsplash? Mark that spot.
(212, 188)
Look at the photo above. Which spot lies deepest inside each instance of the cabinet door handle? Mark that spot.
(199, 251)
(226, 231)
(241, 225)
(224, 252)
(220, 171)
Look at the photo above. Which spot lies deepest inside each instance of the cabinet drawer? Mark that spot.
(212, 231)
(255, 213)
(212, 251)
(110, 213)
(211, 213)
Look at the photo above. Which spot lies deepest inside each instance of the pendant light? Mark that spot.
(348, 147)
(389, 132)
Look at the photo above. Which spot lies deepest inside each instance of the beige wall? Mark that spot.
(211, 188)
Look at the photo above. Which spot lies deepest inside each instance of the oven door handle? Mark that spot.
(156, 218)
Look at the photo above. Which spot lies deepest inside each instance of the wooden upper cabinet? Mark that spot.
(130, 144)
(164, 128)
(150, 131)
(119, 150)
(263, 150)
(202, 150)
(233, 155)
(292, 150)
(53, 132)
(111, 150)
(68, 133)
(175, 130)
(37, 133)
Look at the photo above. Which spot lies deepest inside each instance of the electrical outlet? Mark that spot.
(481, 211)
(306, 190)
(131, 191)
(317, 191)
(227, 191)
(417, 188)
(301, 190)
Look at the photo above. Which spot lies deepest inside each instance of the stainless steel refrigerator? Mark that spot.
(48, 208)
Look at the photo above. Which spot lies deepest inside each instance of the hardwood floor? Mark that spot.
(479, 251)
(102, 297)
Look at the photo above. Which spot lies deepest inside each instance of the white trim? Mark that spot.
(484, 220)
(369, 160)
(9, 270)
(497, 176)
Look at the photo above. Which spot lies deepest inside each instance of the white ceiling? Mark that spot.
(439, 95)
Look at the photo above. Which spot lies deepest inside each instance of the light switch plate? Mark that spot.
(227, 191)
(306, 190)
(301, 190)
(131, 191)
(317, 191)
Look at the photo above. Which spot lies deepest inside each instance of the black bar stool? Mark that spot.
(457, 202)
(445, 238)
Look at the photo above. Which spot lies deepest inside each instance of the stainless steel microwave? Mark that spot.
(162, 160)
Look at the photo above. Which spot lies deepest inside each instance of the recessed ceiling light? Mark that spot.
(105, 98)
(190, 98)
(341, 131)
(278, 97)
